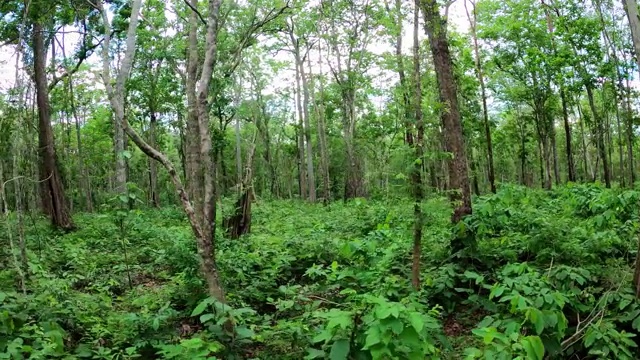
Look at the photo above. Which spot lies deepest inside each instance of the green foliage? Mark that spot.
(551, 279)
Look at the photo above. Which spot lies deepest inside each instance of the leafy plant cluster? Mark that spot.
(551, 277)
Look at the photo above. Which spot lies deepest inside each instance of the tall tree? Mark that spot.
(416, 175)
(435, 26)
(473, 22)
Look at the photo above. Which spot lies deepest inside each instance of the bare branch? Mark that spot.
(193, 8)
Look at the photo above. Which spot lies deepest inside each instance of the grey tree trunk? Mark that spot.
(311, 178)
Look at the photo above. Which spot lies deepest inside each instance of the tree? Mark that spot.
(202, 223)
(473, 22)
(435, 26)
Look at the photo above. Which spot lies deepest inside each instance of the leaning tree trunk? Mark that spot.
(54, 202)
(202, 224)
(435, 27)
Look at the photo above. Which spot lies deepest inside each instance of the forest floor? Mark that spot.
(551, 272)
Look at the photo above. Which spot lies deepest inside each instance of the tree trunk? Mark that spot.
(630, 136)
(631, 8)
(121, 160)
(311, 178)
(602, 151)
(302, 174)
(203, 226)
(322, 132)
(453, 136)
(485, 113)
(85, 181)
(416, 175)
(554, 151)
(154, 197)
(54, 202)
(567, 134)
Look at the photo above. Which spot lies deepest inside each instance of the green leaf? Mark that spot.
(417, 322)
(383, 312)
(537, 319)
(314, 354)
(206, 317)
(373, 338)
(340, 350)
(201, 307)
(534, 347)
(636, 323)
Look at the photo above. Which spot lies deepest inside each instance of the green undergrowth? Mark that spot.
(551, 275)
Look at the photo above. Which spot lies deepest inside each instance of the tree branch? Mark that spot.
(188, 3)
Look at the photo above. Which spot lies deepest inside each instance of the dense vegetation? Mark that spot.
(335, 179)
(552, 271)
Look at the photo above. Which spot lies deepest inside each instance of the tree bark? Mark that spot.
(435, 27)
(54, 202)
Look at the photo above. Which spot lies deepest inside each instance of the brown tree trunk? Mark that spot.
(54, 202)
(435, 27)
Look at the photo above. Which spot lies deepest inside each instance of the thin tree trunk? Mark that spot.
(311, 178)
(322, 132)
(153, 169)
(85, 182)
(416, 175)
(567, 134)
(599, 136)
(485, 113)
(54, 202)
(554, 150)
(302, 174)
(630, 136)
